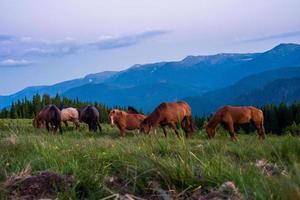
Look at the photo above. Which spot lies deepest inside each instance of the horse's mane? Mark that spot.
(154, 116)
(132, 110)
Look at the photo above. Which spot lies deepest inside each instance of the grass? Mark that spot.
(105, 164)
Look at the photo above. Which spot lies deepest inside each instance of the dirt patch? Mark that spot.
(268, 168)
(46, 184)
(227, 190)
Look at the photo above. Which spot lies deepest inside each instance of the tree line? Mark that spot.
(29, 108)
(277, 117)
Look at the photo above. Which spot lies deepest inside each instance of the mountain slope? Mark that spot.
(281, 90)
(54, 89)
(251, 90)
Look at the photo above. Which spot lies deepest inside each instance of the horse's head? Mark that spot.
(145, 126)
(114, 115)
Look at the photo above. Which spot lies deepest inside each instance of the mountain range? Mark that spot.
(206, 82)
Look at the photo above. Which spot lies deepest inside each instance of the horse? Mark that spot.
(70, 114)
(230, 115)
(90, 115)
(170, 114)
(48, 115)
(125, 120)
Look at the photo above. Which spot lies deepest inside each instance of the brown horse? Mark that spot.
(170, 114)
(125, 120)
(70, 114)
(49, 115)
(230, 115)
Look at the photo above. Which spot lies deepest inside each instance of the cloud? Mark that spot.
(28, 46)
(112, 42)
(271, 37)
(15, 63)
(6, 37)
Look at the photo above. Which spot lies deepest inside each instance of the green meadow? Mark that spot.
(106, 165)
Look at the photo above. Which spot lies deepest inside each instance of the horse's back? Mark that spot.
(69, 113)
(174, 110)
(89, 113)
(240, 113)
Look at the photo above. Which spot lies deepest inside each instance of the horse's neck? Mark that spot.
(154, 119)
(214, 121)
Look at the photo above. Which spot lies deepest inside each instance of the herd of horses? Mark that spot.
(173, 115)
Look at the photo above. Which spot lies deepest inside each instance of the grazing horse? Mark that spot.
(230, 115)
(90, 115)
(70, 114)
(125, 120)
(170, 114)
(48, 115)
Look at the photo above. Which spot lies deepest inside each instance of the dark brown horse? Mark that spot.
(170, 114)
(50, 117)
(90, 115)
(230, 115)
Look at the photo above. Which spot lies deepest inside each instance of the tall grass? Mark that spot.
(105, 164)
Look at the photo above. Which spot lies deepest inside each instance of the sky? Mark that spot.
(49, 41)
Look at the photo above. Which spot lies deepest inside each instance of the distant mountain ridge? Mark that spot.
(146, 85)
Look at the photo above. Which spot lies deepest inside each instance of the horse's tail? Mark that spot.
(56, 118)
(262, 122)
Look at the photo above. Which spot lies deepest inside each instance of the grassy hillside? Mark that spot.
(147, 166)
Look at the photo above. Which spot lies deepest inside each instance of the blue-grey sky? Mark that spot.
(45, 42)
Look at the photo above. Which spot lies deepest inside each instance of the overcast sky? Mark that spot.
(45, 42)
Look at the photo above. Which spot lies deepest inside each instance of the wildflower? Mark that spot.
(7, 164)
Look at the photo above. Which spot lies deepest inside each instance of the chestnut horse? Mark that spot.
(48, 115)
(125, 120)
(230, 115)
(70, 114)
(90, 115)
(170, 114)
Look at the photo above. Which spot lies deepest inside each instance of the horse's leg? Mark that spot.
(164, 130)
(230, 127)
(260, 128)
(174, 127)
(60, 128)
(66, 124)
(47, 126)
(122, 132)
(90, 126)
(99, 126)
(77, 124)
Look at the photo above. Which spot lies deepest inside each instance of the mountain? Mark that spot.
(194, 76)
(282, 90)
(207, 73)
(251, 90)
(56, 88)
(143, 96)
